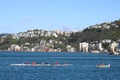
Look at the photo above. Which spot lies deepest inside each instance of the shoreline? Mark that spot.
(79, 52)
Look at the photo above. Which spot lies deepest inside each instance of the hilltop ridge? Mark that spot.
(108, 30)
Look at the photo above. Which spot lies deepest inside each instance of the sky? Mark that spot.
(65, 15)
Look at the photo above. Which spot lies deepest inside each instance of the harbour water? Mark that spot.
(83, 66)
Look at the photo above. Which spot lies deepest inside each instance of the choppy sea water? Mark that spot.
(83, 66)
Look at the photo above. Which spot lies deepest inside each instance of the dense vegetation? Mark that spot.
(7, 41)
(96, 34)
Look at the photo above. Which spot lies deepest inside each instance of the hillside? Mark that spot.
(59, 40)
(98, 32)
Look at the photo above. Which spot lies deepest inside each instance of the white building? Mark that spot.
(15, 47)
(100, 46)
(84, 46)
(113, 47)
(68, 48)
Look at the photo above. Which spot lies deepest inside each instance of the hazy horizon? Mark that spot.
(65, 15)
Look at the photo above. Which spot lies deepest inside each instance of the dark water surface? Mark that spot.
(82, 68)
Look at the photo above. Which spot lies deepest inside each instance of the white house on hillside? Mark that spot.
(84, 46)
